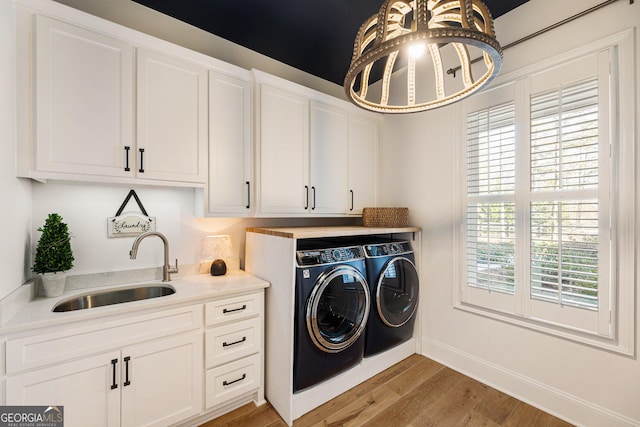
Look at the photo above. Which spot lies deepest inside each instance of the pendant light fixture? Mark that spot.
(400, 55)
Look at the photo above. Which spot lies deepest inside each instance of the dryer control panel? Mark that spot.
(386, 249)
(312, 257)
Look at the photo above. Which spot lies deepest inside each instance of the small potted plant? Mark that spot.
(53, 255)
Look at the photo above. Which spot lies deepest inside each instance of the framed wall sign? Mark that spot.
(130, 224)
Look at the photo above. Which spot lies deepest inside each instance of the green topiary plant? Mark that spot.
(53, 253)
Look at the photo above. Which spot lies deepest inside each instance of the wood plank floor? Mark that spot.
(413, 393)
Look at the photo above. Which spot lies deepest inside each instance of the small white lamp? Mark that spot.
(214, 251)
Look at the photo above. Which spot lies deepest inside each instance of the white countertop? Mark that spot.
(189, 289)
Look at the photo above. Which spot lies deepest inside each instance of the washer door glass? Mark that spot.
(397, 292)
(337, 309)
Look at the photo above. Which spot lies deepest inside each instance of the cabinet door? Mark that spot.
(363, 163)
(283, 152)
(83, 387)
(229, 145)
(83, 100)
(162, 381)
(172, 119)
(329, 158)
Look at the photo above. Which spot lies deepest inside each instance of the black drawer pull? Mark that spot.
(351, 200)
(313, 205)
(114, 362)
(248, 195)
(126, 371)
(234, 381)
(226, 344)
(227, 310)
(141, 150)
(306, 203)
(126, 149)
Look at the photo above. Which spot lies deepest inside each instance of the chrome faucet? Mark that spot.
(166, 268)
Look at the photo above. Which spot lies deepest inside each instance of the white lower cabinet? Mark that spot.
(162, 381)
(232, 380)
(233, 350)
(83, 387)
(151, 384)
(118, 379)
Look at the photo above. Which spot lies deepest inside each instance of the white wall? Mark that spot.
(582, 384)
(15, 214)
(86, 207)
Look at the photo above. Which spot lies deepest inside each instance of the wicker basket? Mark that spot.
(385, 217)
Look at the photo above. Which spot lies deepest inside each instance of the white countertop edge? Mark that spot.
(38, 314)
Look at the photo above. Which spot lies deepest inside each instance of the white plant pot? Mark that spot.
(53, 283)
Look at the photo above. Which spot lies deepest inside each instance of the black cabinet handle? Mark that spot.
(248, 195)
(141, 150)
(126, 371)
(226, 344)
(234, 381)
(227, 310)
(351, 191)
(126, 166)
(306, 190)
(313, 203)
(114, 362)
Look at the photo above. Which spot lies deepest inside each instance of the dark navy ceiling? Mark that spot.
(315, 36)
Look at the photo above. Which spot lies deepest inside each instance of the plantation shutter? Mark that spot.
(564, 160)
(569, 166)
(490, 235)
(536, 223)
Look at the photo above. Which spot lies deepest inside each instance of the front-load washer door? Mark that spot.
(397, 292)
(338, 308)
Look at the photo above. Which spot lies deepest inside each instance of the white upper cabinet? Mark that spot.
(230, 183)
(363, 163)
(316, 155)
(172, 118)
(83, 101)
(283, 151)
(93, 121)
(329, 159)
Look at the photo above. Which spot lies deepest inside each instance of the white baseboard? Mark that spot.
(570, 408)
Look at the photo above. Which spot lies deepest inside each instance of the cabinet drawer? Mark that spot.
(231, 342)
(232, 380)
(236, 308)
(68, 342)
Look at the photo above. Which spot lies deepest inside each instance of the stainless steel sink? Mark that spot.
(113, 296)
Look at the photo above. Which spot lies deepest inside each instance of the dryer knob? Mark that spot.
(394, 248)
(336, 255)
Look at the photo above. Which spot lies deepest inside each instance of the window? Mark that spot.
(565, 164)
(491, 202)
(541, 202)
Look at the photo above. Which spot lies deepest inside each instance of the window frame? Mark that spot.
(512, 87)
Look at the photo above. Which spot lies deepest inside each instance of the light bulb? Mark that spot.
(416, 50)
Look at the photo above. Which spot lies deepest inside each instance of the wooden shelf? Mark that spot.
(319, 232)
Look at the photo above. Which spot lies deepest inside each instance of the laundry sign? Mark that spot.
(130, 224)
